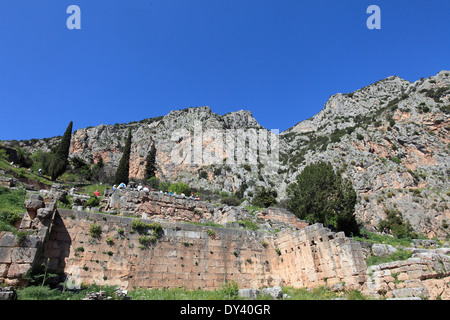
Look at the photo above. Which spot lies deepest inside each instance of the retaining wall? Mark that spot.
(195, 256)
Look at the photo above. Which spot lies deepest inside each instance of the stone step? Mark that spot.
(417, 292)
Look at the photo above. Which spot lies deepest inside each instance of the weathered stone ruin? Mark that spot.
(198, 245)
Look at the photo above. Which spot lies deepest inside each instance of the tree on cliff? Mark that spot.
(150, 165)
(59, 161)
(123, 170)
(321, 195)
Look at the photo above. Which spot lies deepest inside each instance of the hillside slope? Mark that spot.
(390, 138)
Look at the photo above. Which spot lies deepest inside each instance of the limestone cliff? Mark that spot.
(390, 138)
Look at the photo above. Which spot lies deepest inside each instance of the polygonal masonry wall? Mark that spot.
(196, 256)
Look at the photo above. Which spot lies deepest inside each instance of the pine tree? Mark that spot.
(321, 195)
(123, 170)
(58, 164)
(150, 166)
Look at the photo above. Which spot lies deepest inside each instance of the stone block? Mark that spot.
(5, 255)
(380, 250)
(8, 293)
(4, 269)
(410, 292)
(8, 240)
(23, 255)
(248, 293)
(43, 213)
(274, 292)
(31, 241)
(18, 270)
(403, 276)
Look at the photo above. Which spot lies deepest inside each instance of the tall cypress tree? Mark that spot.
(58, 164)
(123, 170)
(150, 165)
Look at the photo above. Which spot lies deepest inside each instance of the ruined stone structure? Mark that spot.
(19, 255)
(184, 254)
(283, 252)
(424, 275)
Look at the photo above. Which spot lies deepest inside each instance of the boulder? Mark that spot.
(8, 293)
(34, 203)
(274, 292)
(248, 293)
(381, 250)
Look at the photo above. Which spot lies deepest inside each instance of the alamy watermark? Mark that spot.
(374, 21)
(74, 20)
(252, 146)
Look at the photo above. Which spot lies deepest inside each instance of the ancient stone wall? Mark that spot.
(18, 255)
(196, 256)
(315, 256)
(180, 254)
(185, 255)
(425, 275)
(174, 208)
(282, 215)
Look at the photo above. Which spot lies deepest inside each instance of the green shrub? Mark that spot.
(93, 201)
(231, 290)
(146, 240)
(153, 183)
(211, 233)
(203, 174)
(179, 188)
(38, 293)
(95, 230)
(265, 197)
(248, 224)
(394, 222)
(139, 225)
(231, 201)
(156, 227)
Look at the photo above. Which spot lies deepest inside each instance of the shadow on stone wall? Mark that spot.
(57, 248)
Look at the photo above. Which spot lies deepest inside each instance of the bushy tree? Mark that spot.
(123, 170)
(59, 161)
(321, 195)
(81, 168)
(265, 197)
(42, 160)
(153, 183)
(179, 187)
(394, 222)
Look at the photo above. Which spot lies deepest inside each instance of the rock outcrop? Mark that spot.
(390, 138)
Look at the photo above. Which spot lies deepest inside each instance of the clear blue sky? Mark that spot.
(136, 59)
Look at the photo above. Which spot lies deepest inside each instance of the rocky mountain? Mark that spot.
(390, 138)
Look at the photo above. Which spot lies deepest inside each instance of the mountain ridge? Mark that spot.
(390, 138)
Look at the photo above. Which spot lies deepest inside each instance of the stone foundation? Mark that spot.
(195, 256)
(181, 254)
(425, 275)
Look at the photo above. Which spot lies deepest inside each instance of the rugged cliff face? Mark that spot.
(390, 138)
